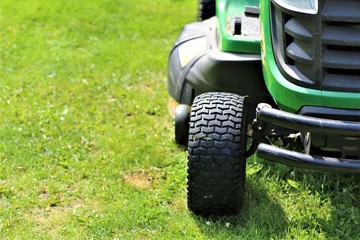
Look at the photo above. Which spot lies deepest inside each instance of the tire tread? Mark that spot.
(216, 162)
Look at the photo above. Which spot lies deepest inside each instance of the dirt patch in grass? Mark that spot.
(145, 87)
(139, 179)
(54, 218)
(49, 216)
(143, 179)
(50, 219)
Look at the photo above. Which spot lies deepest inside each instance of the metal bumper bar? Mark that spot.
(310, 162)
(266, 114)
(308, 124)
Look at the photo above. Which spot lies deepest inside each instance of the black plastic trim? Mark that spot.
(331, 113)
(320, 51)
(214, 70)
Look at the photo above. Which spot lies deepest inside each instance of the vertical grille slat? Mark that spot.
(320, 51)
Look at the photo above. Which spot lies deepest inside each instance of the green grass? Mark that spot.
(86, 141)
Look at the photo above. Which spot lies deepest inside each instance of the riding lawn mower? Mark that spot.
(280, 78)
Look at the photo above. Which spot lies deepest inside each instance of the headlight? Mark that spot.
(303, 6)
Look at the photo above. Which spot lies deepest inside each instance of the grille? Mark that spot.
(319, 51)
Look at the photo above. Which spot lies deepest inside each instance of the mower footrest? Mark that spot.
(310, 162)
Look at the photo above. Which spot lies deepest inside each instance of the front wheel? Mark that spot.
(216, 154)
(182, 118)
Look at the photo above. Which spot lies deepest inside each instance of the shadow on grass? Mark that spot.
(320, 205)
(341, 195)
(260, 218)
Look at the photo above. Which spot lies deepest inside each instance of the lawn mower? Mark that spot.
(280, 78)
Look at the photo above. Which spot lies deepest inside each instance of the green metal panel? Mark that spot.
(289, 96)
(227, 41)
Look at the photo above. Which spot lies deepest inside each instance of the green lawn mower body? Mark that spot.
(265, 70)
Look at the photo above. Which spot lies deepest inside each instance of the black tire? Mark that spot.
(182, 119)
(216, 160)
(206, 9)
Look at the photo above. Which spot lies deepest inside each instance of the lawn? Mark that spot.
(86, 138)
